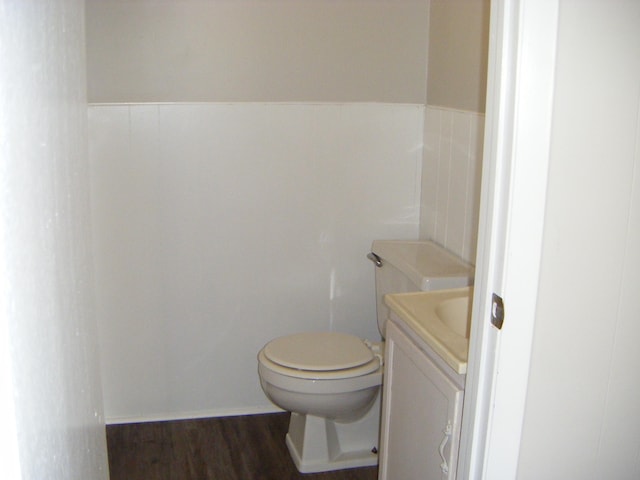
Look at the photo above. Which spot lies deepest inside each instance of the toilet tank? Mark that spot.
(414, 266)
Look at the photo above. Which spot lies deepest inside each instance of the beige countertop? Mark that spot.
(441, 318)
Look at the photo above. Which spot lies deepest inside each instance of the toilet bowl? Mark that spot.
(331, 384)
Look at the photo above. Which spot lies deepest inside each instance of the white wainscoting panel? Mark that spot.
(218, 227)
(451, 177)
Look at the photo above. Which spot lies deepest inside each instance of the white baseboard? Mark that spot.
(225, 412)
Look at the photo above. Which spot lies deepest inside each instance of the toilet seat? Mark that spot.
(324, 355)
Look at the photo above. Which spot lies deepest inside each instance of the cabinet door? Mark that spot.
(421, 415)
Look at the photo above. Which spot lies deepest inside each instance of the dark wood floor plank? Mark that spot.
(230, 448)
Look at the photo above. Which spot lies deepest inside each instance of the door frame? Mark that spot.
(522, 62)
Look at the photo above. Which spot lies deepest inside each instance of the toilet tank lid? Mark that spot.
(428, 265)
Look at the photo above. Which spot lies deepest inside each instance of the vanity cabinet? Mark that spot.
(422, 410)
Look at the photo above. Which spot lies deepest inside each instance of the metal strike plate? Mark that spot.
(497, 311)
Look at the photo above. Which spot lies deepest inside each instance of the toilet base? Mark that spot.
(317, 444)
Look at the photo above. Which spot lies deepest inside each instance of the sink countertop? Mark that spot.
(418, 311)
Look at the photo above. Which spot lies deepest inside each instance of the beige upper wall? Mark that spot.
(458, 52)
(257, 50)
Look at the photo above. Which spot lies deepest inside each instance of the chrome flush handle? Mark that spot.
(375, 259)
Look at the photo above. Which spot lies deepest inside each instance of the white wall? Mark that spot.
(50, 397)
(451, 174)
(270, 200)
(218, 227)
(581, 418)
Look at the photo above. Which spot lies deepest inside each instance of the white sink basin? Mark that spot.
(455, 313)
(442, 318)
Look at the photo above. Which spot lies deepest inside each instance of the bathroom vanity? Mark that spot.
(425, 367)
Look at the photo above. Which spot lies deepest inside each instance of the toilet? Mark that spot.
(331, 381)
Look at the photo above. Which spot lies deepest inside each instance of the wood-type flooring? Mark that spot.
(248, 447)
